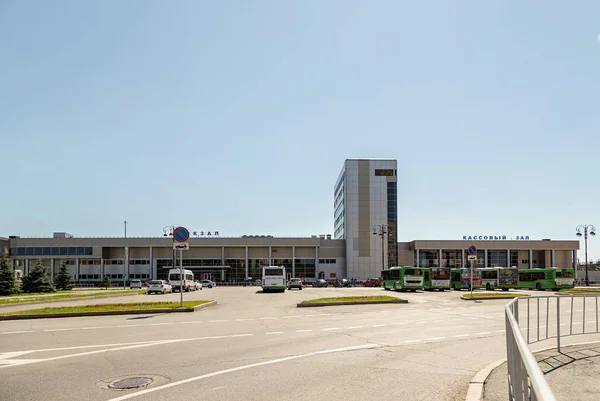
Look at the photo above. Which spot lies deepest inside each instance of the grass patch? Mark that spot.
(16, 299)
(108, 307)
(576, 291)
(492, 296)
(350, 299)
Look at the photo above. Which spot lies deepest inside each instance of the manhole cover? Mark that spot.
(130, 382)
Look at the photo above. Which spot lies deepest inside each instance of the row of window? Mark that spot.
(112, 276)
(328, 261)
(51, 251)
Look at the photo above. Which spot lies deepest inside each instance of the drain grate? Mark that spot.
(130, 382)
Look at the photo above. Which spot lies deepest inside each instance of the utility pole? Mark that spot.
(125, 228)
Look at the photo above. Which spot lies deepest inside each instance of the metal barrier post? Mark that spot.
(547, 315)
(584, 297)
(538, 320)
(527, 320)
(558, 322)
(571, 323)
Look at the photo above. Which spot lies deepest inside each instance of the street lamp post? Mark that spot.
(586, 228)
(381, 230)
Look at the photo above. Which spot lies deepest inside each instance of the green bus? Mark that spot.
(499, 277)
(461, 279)
(400, 278)
(542, 279)
(438, 279)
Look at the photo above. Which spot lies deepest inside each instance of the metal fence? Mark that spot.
(539, 318)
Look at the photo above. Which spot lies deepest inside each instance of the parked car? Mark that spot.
(135, 284)
(320, 283)
(198, 285)
(294, 283)
(208, 283)
(373, 282)
(159, 287)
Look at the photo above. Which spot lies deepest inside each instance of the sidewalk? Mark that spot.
(573, 374)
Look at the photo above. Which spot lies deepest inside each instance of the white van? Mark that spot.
(188, 280)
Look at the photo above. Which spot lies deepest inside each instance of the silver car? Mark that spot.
(159, 287)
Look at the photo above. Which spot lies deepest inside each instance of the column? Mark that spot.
(485, 258)
(78, 268)
(152, 271)
(222, 256)
(316, 261)
(531, 259)
(508, 263)
(270, 249)
(25, 266)
(222, 274)
(293, 261)
(418, 261)
(102, 267)
(52, 269)
(246, 263)
(574, 258)
(440, 264)
(462, 258)
(552, 258)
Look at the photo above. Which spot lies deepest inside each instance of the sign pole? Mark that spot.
(472, 264)
(181, 279)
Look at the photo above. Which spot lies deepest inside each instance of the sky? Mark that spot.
(237, 116)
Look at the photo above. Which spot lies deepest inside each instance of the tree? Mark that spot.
(63, 279)
(105, 282)
(37, 280)
(8, 283)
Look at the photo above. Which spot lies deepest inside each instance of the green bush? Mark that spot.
(37, 280)
(106, 282)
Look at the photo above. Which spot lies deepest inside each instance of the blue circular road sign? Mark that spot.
(472, 250)
(181, 234)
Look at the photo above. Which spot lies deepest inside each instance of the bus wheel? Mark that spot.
(487, 287)
(441, 290)
(505, 289)
(538, 287)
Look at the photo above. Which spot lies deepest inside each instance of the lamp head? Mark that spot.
(592, 232)
(578, 234)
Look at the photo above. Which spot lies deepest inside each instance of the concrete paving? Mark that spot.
(572, 374)
(255, 346)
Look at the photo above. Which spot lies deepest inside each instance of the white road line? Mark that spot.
(482, 333)
(194, 322)
(379, 325)
(15, 362)
(221, 372)
(435, 338)
(161, 324)
(461, 335)
(499, 331)
(59, 329)
(243, 320)
(322, 314)
(355, 327)
(217, 388)
(17, 332)
(217, 321)
(291, 317)
(303, 331)
(6, 355)
(331, 328)
(268, 318)
(275, 332)
(411, 341)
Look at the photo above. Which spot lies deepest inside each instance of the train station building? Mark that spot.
(364, 241)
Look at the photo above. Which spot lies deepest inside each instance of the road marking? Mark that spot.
(119, 348)
(243, 320)
(6, 355)
(379, 325)
(275, 332)
(303, 331)
(59, 329)
(217, 321)
(331, 328)
(499, 331)
(291, 317)
(267, 318)
(15, 362)
(435, 338)
(461, 335)
(322, 314)
(482, 333)
(355, 327)
(411, 341)
(244, 367)
(198, 321)
(217, 388)
(17, 332)
(160, 324)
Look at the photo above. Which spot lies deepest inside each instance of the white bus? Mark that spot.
(188, 280)
(273, 278)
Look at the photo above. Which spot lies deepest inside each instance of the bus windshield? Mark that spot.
(440, 274)
(273, 272)
(564, 273)
(174, 276)
(413, 272)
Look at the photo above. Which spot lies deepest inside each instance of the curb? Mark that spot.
(491, 298)
(398, 301)
(65, 300)
(105, 313)
(475, 391)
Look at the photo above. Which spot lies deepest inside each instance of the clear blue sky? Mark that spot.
(237, 116)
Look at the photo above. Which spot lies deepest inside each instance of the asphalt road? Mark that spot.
(254, 346)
